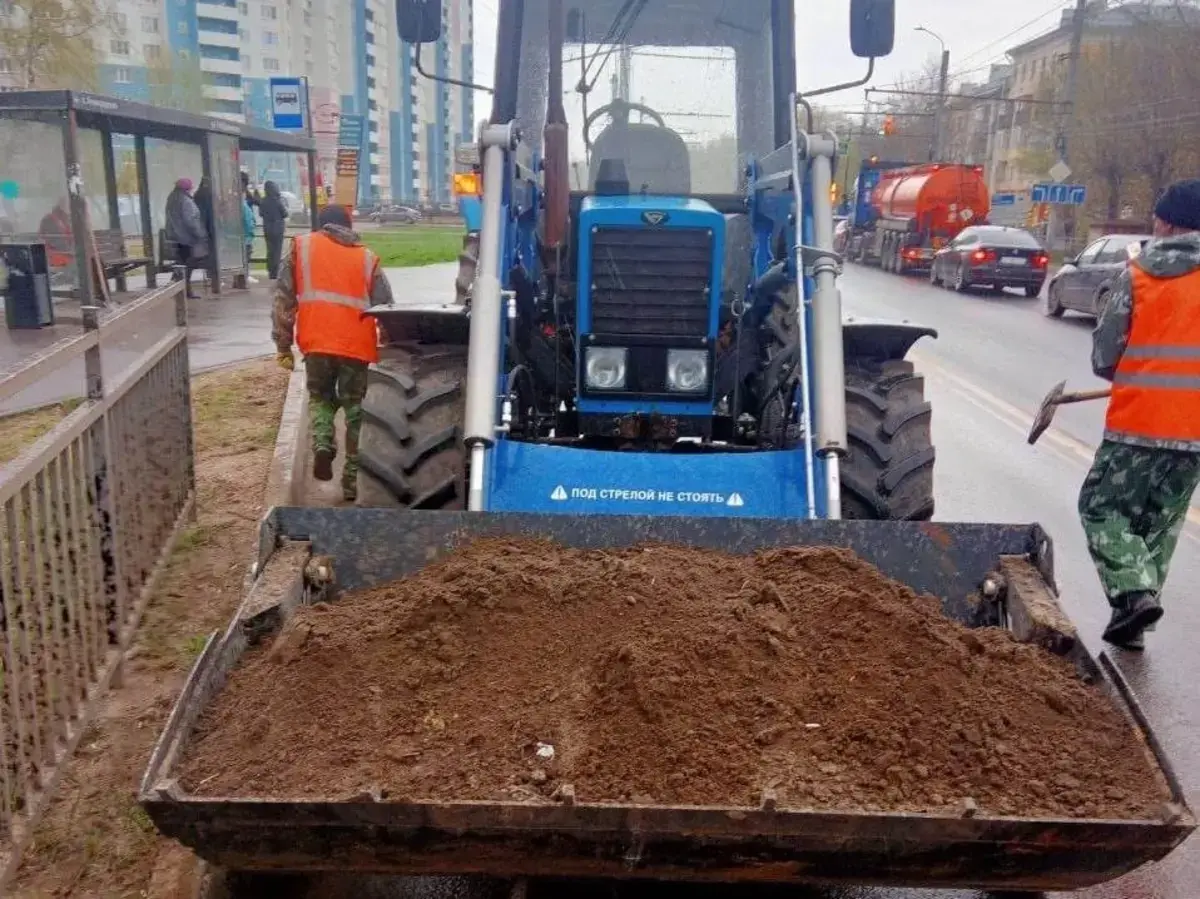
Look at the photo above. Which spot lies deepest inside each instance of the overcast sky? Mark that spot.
(975, 32)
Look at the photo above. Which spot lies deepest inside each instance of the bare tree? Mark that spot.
(1135, 125)
(50, 43)
(176, 82)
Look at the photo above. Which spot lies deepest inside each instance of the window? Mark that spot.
(119, 47)
(1116, 251)
(222, 79)
(150, 24)
(120, 21)
(228, 107)
(183, 28)
(270, 64)
(211, 51)
(270, 38)
(152, 52)
(1089, 256)
(7, 8)
(244, 35)
(244, 9)
(5, 65)
(122, 75)
(219, 26)
(269, 12)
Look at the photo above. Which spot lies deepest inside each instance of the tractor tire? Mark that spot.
(888, 473)
(468, 263)
(411, 453)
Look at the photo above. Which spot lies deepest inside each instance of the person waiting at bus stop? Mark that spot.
(325, 286)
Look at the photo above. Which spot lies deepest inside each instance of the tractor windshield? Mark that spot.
(676, 94)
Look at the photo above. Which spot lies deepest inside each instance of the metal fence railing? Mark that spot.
(88, 514)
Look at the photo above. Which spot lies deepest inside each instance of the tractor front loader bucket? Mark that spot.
(985, 575)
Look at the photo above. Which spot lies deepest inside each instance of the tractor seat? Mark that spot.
(655, 159)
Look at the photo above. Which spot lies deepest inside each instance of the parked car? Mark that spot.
(403, 215)
(1083, 282)
(994, 255)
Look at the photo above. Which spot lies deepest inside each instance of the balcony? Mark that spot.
(217, 10)
(221, 92)
(220, 39)
(224, 66)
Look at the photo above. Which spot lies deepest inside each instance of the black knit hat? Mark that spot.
(1180, 205)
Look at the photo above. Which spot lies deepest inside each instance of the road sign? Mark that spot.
(287, 104)
(350, 131)
(1060, 171)
(1004, 200)
(1059, 194)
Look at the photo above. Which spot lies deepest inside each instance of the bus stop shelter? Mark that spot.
(101, 168)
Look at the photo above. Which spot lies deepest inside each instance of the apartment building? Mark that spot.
(218, 56)
(1025, 142)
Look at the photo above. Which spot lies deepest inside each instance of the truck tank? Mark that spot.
(942, 198)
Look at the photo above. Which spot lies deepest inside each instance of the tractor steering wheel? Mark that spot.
(619, 109)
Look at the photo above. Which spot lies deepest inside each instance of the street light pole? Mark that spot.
(934, 144)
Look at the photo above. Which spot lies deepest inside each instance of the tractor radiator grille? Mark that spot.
(650, 282)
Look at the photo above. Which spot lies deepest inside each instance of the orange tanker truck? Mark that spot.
(916, 210)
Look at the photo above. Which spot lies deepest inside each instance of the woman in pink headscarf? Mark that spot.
(187, 239)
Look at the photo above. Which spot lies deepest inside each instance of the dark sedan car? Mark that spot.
(993, 255)
(1082, 284)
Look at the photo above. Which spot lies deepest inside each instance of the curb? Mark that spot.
(285, 480)
(285, 475)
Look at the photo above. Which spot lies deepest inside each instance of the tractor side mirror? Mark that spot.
(872, 27)
(419, 21)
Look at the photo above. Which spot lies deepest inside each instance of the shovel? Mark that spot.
(1058, 397)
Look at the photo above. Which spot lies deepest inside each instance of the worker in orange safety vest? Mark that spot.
(1147, 342)
(325, 286)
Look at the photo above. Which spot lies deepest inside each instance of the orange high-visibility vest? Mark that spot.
(1156, 388)
(333, 292)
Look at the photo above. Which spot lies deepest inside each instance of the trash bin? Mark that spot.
(26, 286)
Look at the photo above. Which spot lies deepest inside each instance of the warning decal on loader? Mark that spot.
(561, 480)
(562, 493)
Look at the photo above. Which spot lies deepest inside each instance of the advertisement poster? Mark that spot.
(350, 135)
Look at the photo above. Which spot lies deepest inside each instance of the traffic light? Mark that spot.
(889, 126)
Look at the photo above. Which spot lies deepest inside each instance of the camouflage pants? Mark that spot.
(336, 383)
(1133, 505)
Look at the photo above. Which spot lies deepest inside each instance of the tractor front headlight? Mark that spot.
(605, 367)
(687, 371)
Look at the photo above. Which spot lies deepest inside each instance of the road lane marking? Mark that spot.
(1056, 441)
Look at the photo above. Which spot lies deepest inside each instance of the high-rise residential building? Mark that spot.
(218, 56)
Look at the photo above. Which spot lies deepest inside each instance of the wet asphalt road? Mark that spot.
(986, 374)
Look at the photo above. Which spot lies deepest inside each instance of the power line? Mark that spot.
(1056, 8)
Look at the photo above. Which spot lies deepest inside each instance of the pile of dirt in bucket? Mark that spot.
(666, 675)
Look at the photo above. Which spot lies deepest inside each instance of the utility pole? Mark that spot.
(1067, 116)
(935, 148)
(939, 112)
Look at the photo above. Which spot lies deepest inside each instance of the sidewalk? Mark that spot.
(222, 330)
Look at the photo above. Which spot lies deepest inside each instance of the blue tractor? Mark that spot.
(651, 323)
(649, 340)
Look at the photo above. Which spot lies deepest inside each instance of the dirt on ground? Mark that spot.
(666, 675)
(95, 841)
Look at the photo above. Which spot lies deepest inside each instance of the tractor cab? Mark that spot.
(649, 301)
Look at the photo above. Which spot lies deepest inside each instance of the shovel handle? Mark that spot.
(1084, 396)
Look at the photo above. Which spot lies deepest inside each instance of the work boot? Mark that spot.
(323, 463)
(1136, 643)
(350, 491)
(1132, 614)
